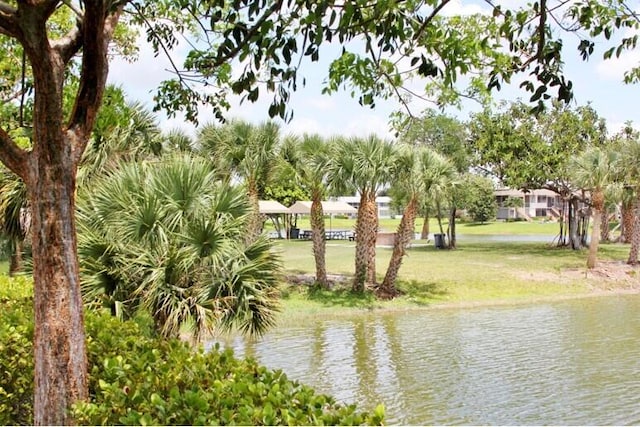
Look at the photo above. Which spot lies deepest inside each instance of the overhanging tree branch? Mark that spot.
(14, 157)
(8, 24)
(97, 30)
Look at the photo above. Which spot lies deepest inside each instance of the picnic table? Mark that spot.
(329, 234)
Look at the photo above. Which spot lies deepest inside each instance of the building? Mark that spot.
(383, 202)
(535, 204)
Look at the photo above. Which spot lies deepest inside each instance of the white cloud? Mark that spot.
(614, 68)
(456, 7)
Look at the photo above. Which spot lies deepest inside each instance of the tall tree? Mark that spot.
(366, 166)
(448, 136)
(310, 156)
(593, 171)
(249, 153)
(528, 151)
(417, 172)
(630, 166)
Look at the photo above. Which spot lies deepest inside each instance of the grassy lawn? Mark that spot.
(477, 272)
(496, 227)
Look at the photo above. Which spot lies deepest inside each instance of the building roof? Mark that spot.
(304, 207)
(272, 207)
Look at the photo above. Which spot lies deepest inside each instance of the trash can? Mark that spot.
(294, 233)
(438, 240)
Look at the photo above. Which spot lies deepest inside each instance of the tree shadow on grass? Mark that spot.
(421, 293)
(342, 297)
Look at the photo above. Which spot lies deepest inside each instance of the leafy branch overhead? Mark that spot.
(247, 47)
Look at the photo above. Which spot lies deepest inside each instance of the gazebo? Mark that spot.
(273, 210)
(329, 208)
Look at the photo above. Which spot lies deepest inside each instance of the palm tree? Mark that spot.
(630, 166)
(593, 171)
(363, 165)
(167, 237)
(129, 135)
(14, 216)
(309, 156)
(247, 152)
(419, 172)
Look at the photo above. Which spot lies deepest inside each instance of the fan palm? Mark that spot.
(14, 216)
(309, 157)
(629, 163)
(593, 171)
(168, 238)
(363, 165)
(419, 172)
(247, 152)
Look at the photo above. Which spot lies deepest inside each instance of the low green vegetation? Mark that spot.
(136, 379)
(477, 272)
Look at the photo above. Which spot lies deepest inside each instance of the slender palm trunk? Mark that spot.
(604, 227)
(15, 265)
(319, 242)
(635, 235)
(371, 246)
(628, 219)
(60, 349)
(254, 222)
(598, 207)
(424, 234)
(403, 239)
(452, 228)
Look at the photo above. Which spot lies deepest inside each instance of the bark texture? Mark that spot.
(319, 242)
(598, 207)
(635, 235)
(49, 172)
(366, 227)
(403, 239)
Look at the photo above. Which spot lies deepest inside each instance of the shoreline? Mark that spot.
(608, 279)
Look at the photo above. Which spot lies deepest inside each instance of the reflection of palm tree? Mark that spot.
(247, 152)
(167, 237)
(593, 171)
(309, 157)
(363, 165)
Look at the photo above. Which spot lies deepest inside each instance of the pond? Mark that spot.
(573, 362)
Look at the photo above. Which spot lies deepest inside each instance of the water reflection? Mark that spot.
(569, 363)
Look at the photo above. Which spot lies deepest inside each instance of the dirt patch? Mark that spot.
(606, 276)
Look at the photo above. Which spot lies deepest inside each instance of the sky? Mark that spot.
(597, 82)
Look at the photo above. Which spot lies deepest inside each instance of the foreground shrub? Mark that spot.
(136, 379)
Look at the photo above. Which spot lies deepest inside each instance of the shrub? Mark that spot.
(136, 379)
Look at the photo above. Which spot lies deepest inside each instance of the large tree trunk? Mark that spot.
(60, 351)
(598, 206)
(635, 235)
(319, 242)
(403, 239)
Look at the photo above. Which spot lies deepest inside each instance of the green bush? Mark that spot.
(136, 379)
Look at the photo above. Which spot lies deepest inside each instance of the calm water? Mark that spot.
(569, 363)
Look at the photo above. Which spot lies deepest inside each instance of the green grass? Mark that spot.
(477, 272)
(495, 227)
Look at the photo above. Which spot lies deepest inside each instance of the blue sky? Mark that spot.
(597, 82)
